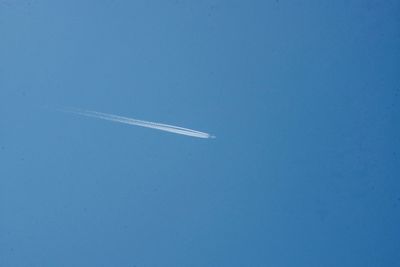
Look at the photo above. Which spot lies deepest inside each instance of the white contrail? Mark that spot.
(148, 124)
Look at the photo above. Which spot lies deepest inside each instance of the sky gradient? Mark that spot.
(303, 97)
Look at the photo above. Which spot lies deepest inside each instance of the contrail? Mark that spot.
(148, 124)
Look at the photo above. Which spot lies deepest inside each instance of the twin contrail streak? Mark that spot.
(142, 123)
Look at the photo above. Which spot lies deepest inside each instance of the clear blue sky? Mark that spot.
(303, 97)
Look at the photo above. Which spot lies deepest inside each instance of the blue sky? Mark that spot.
(303, 97)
